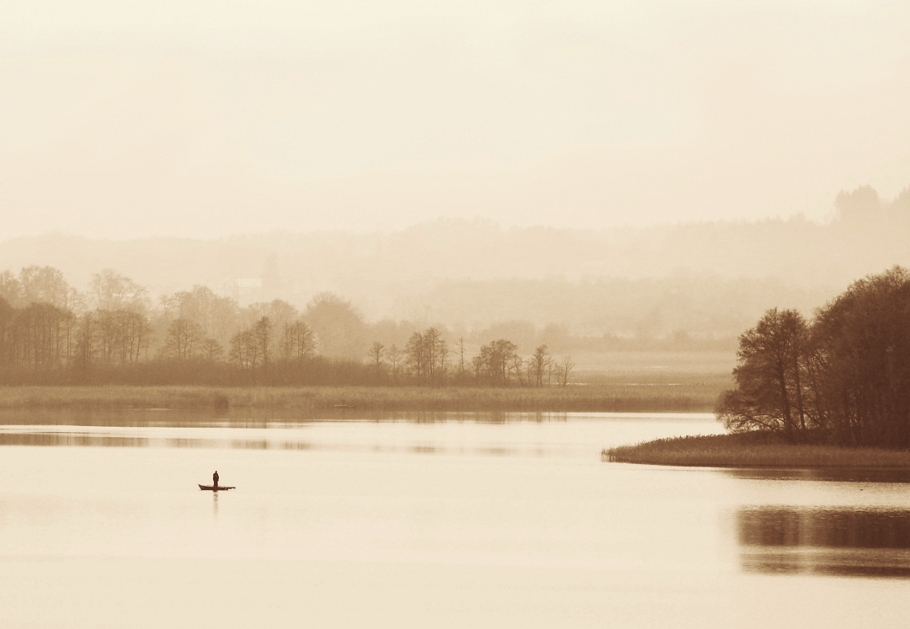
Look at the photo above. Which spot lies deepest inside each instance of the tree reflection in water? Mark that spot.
(844, 542)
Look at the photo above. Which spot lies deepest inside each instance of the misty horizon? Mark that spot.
(822, 218)
(204, 120)
(698, 282)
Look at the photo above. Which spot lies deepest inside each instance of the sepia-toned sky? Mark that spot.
(214, 117)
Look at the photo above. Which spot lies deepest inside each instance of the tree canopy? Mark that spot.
(844, 377)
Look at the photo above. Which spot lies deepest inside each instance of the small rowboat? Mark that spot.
(213, 488)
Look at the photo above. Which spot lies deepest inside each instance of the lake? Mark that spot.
(444, 520)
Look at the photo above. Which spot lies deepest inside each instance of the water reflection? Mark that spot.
(845, 542)
(844, 475)
(256, 418)
(77, 439)
(27, 436)
(70, 439)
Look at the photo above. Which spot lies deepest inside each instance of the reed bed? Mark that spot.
(753, 450)
(604, 398)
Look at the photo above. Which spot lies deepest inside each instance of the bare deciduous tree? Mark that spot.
(297, 342)
(211, 350)
(376, 353)
(427, 355)
(182, 339)
(462, 373)
(122, 335)
(395, 362)
(564, 370)
(539, 365)
(245, 349)
(515, 368)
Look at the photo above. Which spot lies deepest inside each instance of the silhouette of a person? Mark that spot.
(215, 478)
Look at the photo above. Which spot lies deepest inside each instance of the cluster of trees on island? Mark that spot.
(842, 377)
(52, 333)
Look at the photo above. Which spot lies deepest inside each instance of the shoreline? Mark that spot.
(754, 450)
(308, 400)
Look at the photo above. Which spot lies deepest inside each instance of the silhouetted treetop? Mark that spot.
(844, 377)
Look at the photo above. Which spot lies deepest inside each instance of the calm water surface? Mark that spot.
(429, 521)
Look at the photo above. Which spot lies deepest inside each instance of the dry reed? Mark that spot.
(753, 450)
(616, 398)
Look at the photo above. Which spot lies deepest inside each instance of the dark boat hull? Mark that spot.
(213, 488)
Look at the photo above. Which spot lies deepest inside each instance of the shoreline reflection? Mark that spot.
(263, 418)
(843, 475)
(838, 542)
(87, 437)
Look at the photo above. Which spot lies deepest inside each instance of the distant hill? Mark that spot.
(703, 278)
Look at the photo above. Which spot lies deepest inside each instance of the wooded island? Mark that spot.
(834, 390)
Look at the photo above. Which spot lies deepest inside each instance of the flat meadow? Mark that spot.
(691, 397)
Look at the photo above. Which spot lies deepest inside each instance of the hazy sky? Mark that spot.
(207, 118)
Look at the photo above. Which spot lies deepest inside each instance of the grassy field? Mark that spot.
(691, 397)
(654, 367)
(753, 450)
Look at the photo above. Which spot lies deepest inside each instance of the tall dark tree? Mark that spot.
(864, 339)
(42, 333)
(537, 366)
(427, 355)
(493, 363)
(770, 389)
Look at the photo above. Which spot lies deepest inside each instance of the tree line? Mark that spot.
(427, 360)
(842, 377)
(52, 333)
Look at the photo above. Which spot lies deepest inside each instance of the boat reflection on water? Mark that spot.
(843, 542)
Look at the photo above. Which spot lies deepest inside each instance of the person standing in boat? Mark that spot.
(215, 478)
